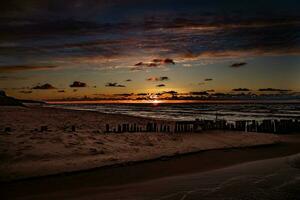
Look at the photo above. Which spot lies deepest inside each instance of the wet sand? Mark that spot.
(174, 178)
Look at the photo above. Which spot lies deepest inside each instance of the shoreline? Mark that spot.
(137, 162)
(108, 179)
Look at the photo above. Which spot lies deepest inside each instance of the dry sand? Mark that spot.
(26, 152)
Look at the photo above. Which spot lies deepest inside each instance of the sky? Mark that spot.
(53, 49)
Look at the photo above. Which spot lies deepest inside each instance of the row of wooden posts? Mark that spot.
(266, 126)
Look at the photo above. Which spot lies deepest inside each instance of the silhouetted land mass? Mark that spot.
(10, 101)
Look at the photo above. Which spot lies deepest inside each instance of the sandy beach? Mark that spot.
(26, 152)
(261, 172)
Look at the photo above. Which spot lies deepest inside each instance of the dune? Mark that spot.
(8, 101)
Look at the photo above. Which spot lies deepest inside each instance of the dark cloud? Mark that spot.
(241, 90)
(210, 90)
(142, 94)
(179, 24)
(114, 85)
(124, 94)
(61, 91)
(202, 93)
(220, 94)
(208, 79)
(273, 90)
(172, 92)
(128, 80)
(161, 85)
(77, 84)
(142, 64)
(17, 68)
(169, 61)
(26, 91)
(157, 60)
(239, 64)
(162, 78)
(46, 86)
(154, 63)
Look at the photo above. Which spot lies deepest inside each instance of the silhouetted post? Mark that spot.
(297, 125)
(107, 130)
(124, 128)
(73, 128)
(44, 128)
(155, 128)
(149, 127)
(274, 126)
(7, 129)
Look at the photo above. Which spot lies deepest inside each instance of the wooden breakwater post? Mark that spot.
(297, 125)
(266, 126)
(230, 126)
(286, 126)
(124, 127)
(197, 126)
(183, 127)
(7, 129)
(44, 129)
(252, 126)
(107, 129)
(240, 125)
(151, 127)
(164, 128)
(131, 128)
(208, 124)
(220, 124)
(119, 128)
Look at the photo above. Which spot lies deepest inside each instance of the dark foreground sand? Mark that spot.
(203, 175)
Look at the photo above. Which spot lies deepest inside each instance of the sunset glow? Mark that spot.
(150, 99)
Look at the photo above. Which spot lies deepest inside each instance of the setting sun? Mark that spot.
(156, 102)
